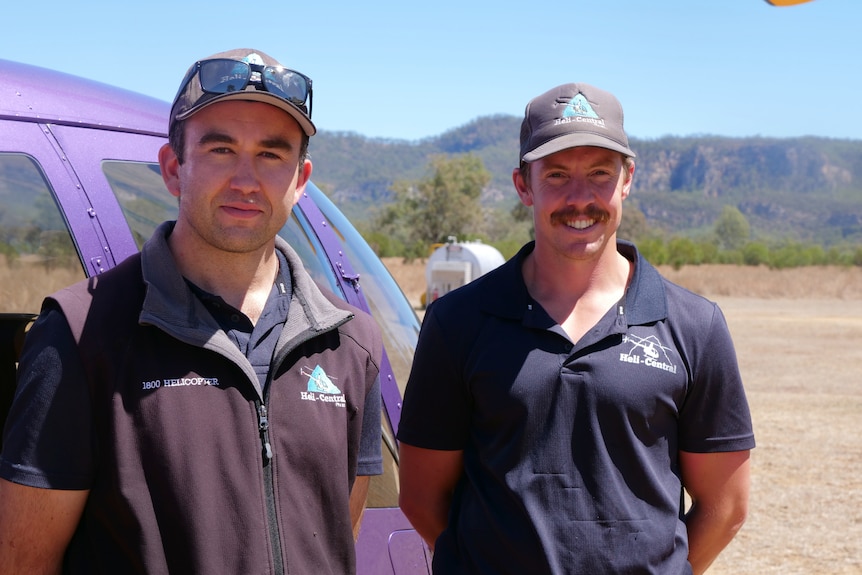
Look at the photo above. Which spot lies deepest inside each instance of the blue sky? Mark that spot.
(405, 70)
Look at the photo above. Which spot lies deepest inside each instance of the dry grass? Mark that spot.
(24, 283)
(798, 335)
(800, 360)
(824, 282)
(714, 281)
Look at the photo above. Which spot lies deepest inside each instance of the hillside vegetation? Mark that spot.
(805, 190)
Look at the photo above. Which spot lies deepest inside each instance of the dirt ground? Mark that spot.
(798, 335)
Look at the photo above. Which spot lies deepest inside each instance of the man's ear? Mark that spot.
(524, 192)
(170, 167)
(302, 177)
(629, 178)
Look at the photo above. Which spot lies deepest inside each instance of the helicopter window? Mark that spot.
(298, 233)
(37, 254)
(398, 323)
(388, 305)
(142, 195)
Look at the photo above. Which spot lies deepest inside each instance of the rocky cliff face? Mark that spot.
(806, 189)
(717, 167)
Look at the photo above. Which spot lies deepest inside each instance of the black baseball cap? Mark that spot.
(569, 116)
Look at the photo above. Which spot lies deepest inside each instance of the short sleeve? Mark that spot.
(370, 461)
(715, 416)
(47, 441)
(437, 405)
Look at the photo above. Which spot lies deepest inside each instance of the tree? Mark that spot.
(732, 230)
(654, 250)
(755, 254)
(522, 214)
(683, 251)
(444, 203)
(634, 224)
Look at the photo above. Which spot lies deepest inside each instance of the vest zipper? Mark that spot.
(269, 489)
(263, 425)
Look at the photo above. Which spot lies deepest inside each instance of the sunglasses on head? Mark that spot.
(221, 76)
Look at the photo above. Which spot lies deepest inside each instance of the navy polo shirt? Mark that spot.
(256, 341)
(571, 448)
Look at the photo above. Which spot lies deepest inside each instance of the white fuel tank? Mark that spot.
(457, 263)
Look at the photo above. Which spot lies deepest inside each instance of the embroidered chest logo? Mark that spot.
(199, 381)
(320, 388)
(647, 351)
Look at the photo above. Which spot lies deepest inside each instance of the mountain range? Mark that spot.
(806, 189)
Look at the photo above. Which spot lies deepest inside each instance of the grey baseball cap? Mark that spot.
(244, 74)
(569, 116)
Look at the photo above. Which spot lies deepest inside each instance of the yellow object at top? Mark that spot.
(786, 2)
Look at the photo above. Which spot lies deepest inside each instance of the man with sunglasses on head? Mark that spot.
(204, 407)
(560, 406)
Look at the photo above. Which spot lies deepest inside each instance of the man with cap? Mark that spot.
(164, 421)
(559, 406)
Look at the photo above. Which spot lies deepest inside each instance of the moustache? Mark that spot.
(568, 214)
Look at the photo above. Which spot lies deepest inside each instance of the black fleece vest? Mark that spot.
(180, 465)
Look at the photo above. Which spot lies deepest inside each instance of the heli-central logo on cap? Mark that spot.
(579, 110)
